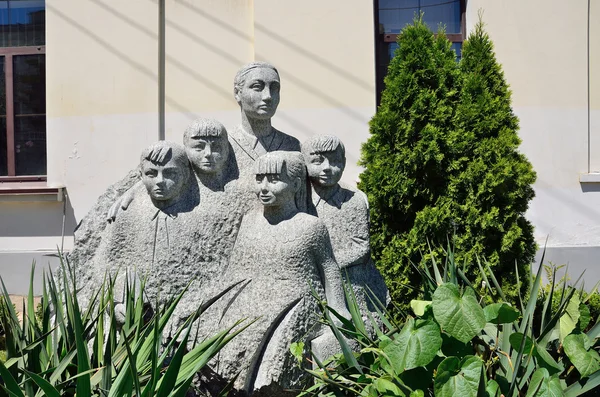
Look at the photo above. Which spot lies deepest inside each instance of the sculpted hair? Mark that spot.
(238, 81)
(290, 163)
(162, 152)
(205, 128)
(323, 144)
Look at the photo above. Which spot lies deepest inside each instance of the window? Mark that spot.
(392, 15)
(22, 89)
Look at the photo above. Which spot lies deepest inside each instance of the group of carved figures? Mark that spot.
(251, 207)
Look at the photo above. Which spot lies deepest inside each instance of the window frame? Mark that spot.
(9, 53)
(382, 40)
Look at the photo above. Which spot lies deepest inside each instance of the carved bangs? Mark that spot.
(205, 128)
(269, 165)
(162, 152)
(323, 144)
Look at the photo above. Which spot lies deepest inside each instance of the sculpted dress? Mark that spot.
(280, 263)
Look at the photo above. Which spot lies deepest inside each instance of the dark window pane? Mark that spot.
(22, 23)
(4, 25)
(29, 79)
(392, 47)
(446, 12)
(394, 15)
(30, 145)
(30, 84)
(2, 88)
(3, 160)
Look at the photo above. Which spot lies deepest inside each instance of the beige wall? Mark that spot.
(327, 70)
(102, 92)
(102, 95)
(542, 46)
(103, 77)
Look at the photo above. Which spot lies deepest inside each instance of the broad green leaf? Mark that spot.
(460, 316)
(517, 338)
(568, 321)
(420, 378)
(415, 346)
(577, 348)
(500, 313)
(453, 347)
(493, 389)
(417, 393)
(458, 378)
(418, 306)
(544, 385)
(387, 388)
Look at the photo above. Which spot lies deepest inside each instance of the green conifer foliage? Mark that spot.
(442, 160)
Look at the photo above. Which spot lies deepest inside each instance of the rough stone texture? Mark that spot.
(89, 232)
(280, 252)
(215, 233)
(345, 212)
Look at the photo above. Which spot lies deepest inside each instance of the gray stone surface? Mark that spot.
(236, 208)
(345, 212)
(280, 252)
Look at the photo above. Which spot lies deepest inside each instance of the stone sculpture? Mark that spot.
(282, 252)
(256, 89)
(235, 209)
(345, 212)
(149, 237)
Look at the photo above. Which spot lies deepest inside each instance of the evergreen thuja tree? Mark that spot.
(408, 156)
(443, 162)
(491, 193)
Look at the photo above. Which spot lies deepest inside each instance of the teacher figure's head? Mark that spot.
(256, 89)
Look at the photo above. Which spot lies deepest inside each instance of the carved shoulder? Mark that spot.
(288, 142)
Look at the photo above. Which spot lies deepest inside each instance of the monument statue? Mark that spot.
(282, 252)
(242, 208)
(148, 238)
(345, 212)
(256, 89)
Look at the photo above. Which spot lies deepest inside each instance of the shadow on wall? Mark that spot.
(32, 232)
(225, 92)
(36, 219)
(590, 187)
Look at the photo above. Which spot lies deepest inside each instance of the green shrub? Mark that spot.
(442, 159)
(64, 351)
(455, 345)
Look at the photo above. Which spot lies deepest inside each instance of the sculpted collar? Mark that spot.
(249, 142)
(336, 198)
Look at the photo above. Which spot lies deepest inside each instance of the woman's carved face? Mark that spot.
(259, 95)
(275, 189)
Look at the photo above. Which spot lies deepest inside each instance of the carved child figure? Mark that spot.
(146, 239)
(345, 212)
(281, 252)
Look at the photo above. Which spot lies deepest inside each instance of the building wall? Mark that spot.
(103, 97)
(543, 48)
(103, 91)
(327, 69)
